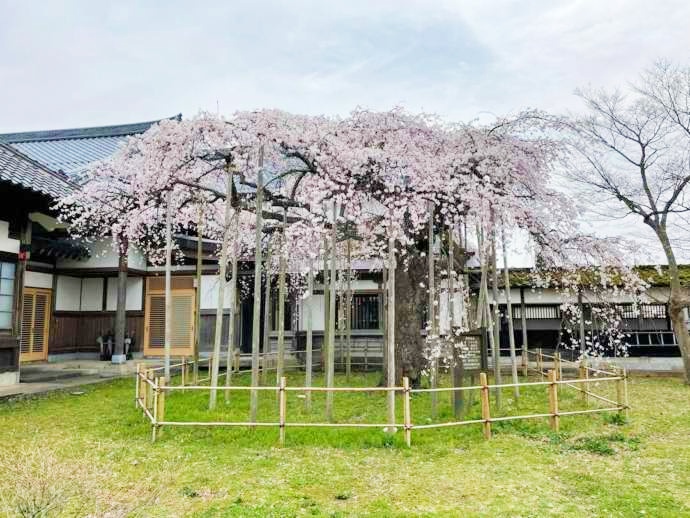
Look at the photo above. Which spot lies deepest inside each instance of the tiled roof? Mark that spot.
(21, 170)
(73, 150)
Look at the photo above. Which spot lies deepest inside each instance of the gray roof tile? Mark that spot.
(21, 170)
(73, 150)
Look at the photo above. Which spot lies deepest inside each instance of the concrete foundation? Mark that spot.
(9, 378)
(118, 359)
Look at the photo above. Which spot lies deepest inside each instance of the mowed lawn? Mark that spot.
(91, 454)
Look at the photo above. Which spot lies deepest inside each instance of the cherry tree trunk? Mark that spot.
(675, 313)
(409, 320)
(677, 301)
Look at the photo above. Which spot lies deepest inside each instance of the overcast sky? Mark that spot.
(82, 63)
(66, 64)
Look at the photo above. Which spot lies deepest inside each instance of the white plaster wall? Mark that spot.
(316, 304)
(657, 295)
(209, 292)
(38, 280)
(68, 292)
(364, 285)
(551, 296)
(103, 255)
(92, 294)
(135, 290)
(7, 244)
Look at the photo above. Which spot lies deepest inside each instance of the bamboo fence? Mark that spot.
(151, 389)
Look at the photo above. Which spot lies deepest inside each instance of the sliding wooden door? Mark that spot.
(35, 324)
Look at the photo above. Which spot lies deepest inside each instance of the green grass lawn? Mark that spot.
(92, 454)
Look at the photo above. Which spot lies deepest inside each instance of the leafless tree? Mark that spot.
(631, 151)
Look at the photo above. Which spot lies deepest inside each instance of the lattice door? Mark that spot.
(182, 340)
(35, 324)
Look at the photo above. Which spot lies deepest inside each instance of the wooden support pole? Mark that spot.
(407, 412)
(330, 357)
(280, 365)
(495, 317)
(233, 310)
(268, 324)
(431, 314)
(167, 342)
(486, 411)
(554, 419)
(509, 310)
(308, 302)
(283, 408)
(237, 360)
(348, 311)
(523, 322)
(390, 336)
(197, 292)
(525, 363)
(256, 313)
(540, 363)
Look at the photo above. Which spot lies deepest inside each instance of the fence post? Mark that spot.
(407, 409)
(283, 409)
(237, 360)
(486, 412)
(625, 392)
(137, 386)
(584, 374)
(540, 363)
(554, 419)
(154, 424)
(184, 370)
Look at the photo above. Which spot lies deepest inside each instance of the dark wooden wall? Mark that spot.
(77, 331)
